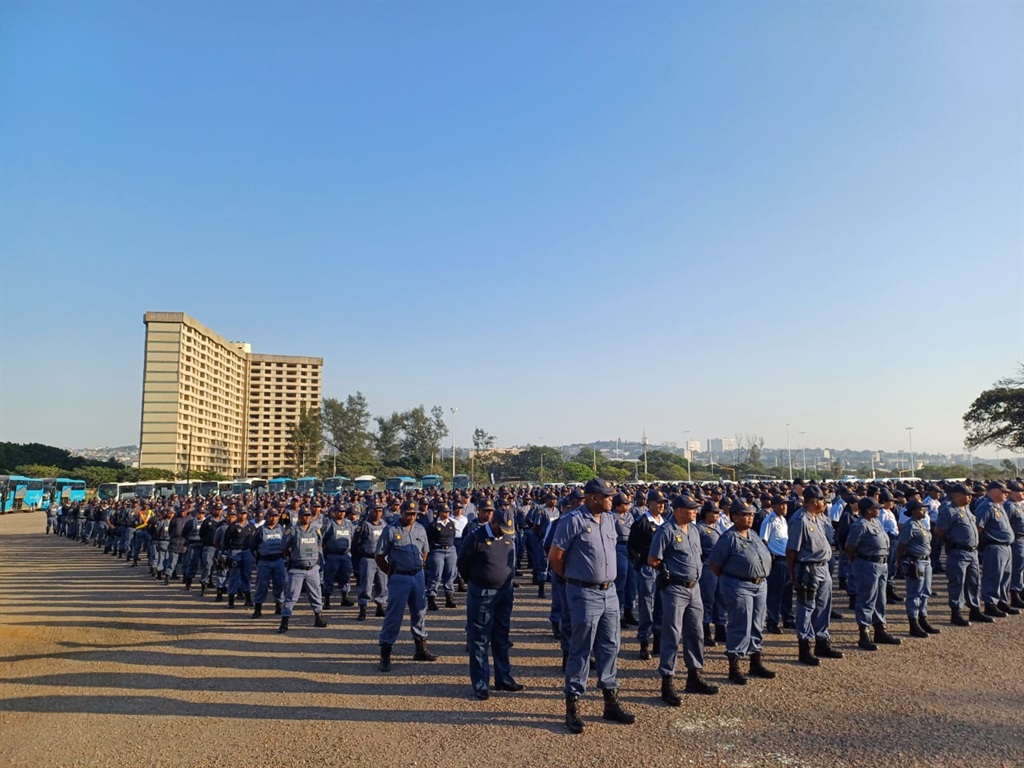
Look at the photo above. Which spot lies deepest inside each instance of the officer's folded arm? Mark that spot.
(556, 559)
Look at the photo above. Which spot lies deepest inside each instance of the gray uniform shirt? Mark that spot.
(589, 546)
(742, 557)
(679, 550)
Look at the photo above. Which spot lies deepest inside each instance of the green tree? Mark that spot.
(575, 472)
(94, 475)
(347, 426)
(306, 440)
(39, 470)
(388, 438)
(996, 417)
(482, 441)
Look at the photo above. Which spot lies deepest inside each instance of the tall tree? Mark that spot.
(306, 440)
(388, 439)
(347, 426)
(996, 417)
(481, 440)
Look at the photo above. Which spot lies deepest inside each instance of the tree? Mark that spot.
(481, 440)
(756, 443)
(306, 439)
(996, 417)
(38, 470)
(576, 472)
(347, 426)
(388, 438)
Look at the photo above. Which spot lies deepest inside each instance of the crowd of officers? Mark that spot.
(689, 566)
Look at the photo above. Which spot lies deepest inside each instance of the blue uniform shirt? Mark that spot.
(709, 536)
(742, 557)
(403, 548)
(337, 536)
(303, 547)
(808, 538)
(589, 546)
(1015, 512)
(269, 541)
(868, 538)
(994, 523)
(960, 526)
(678, 550)
(917, 539)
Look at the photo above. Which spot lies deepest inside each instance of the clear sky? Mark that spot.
(571, 221)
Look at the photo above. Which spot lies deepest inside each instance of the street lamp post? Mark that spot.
(686, 448)
(454, 411)
(803, 451)
(789, 451)
(910, 438)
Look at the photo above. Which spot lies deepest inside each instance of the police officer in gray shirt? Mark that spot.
(914, 553)
(302, 551)
(583, 555)
(958, 530)
(867, 551)
(675, 555)
(995, 537)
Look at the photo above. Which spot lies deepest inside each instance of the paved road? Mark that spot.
(100, 665)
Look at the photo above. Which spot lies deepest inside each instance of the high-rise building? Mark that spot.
(209, 404)
(720, 445)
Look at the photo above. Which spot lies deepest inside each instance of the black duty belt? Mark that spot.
(271, 558)
(873, 558)
(406, 573)
(962, 547)
(778, 557)
(811, 562)
(601, 585)
(680, 581)
(747, 579)
(297, 567)
(442, 546)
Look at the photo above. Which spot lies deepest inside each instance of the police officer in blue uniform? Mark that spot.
(268, 546)
(995, 538)
(401, 553)
(625, 579)
(442, 558)
(302, 551)
(583, 554)
(714, 609)
(675, 556)
(742, 562)
(914, 553)
(373, 580)
(808, 554)
(867, 551)
(336, 535)
(641, 535)
(958, 530)
(1014, 507)
(485, 562)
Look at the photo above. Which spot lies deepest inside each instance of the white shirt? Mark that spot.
(775, 532)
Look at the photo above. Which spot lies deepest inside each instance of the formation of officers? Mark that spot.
(690, 566)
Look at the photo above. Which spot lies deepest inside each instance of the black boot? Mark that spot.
(613, 710)
(852, 605)
(645, 651)
(891, 596)
(842, 583)
(772, 628)
(188, 585)
(283, 626)
(806, 657)
(923, 621)
(385, 657)
(248, 599)
(864, 640)
(257, 612)
(630, 619)
(449, 601)
(957, 619)
(346, 601)
(231, 601)
(1007, 609)
(695, 683)
(719, 633)
(277, 608)
(656, 644)
(422, 654)
(573, 721)
(380, 610)
(540, 593)
(668, 692)
(758, 669)
(318, 620)
(734, 671)
(565, 659)
(916, 630)
(556, 630)
(1017, 599)
(460, 585)
(202, 589)
(709, 637)
(991, 609)
(981, 618)
(882, 636)
(167, 579)
(362, 613)
(220, 596)
(823, 649)
(327, 602)
(432, 603)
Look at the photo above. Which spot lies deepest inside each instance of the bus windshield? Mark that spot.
(107, 491)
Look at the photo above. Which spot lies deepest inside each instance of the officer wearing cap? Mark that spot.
(442, 558)
(302, 552)
(237, 543)
(560, 617)
(914, 550)
(1014, 506)
(867, 549)
(583, 554)
(675, 555)
(958, 530)
(742, 562)
(774, 532)
(401, 553)
(268, 546)
(887, 519)
(486, 563)
(336, 536)
(808, 554)
(625, 579)
(640, 537)
(714, 609)
(372, 579)
(995, 538)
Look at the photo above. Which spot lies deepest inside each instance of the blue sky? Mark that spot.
(571, 221)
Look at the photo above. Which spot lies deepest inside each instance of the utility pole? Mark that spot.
(188, 463)
(910, 438)
(803, 450)
(789, 451)
(645, 454)
(595, 461)
(454, 411)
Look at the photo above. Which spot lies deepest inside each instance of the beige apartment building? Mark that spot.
(210, 404)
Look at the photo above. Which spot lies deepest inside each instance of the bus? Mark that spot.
(106, 491)
(432, 481)
(307, 486)
(22, 493)
(247, 485)
(62, 489)
(335, 485)
(400, 484)
(209, 489)
(145, 490)
(184, 489)
(364, 483)
(126, 490)
(163, 489)
(279, 484)
(460, 483)
(224, 488)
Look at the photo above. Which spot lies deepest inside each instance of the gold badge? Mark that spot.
(398, 537)
(588, 529)
(998, 515)
(679, 538)
(810, 528)
(488, 542)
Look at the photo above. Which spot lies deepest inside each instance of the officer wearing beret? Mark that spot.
(742, 562)
(808, 554)
(958, 530)
(641, 535)
(485, 562)
(914, 551)
(583, 554)
(867, 549)
(401, 552)
(995, 538)
(676, 556)
(1014, 507)
(302, 554)
(714, 609)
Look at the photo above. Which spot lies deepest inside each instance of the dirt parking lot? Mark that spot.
(101, 665)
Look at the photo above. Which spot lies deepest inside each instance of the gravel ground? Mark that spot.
(100, 665)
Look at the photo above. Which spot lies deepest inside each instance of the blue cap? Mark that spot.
(683, 501)
(656, 495)
(813, 492)
(867, 503)
(599, 486)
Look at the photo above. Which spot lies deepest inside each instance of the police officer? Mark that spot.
(676, 556)
(958, 530)
(583, 554)
(195, 547)
(302, 552)
(808, 554)
(337, 533)
(1014, 506)
(640, 537)
(742, 562)
(401, 552)
(995, 538)
(914, 552)
(237, 544)
(485, 563)
(373, 580)
(775, 534)
(442, 558)
(625, 579)
(714, 609)
(867, 550)
(540, 519)
(268, 546)
(208, 551)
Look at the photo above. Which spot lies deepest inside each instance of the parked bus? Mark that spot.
(400, 484)
(335, 485)
(145, 490)
(184, 489)
(126, 490)
(432, 481)
(209, 489)
(460, 483)
(307, 486)
(62, 489)
(224, 488)
(279, 484)
(106, 491)
(163, 489)
(364, 483)
(22, 493)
